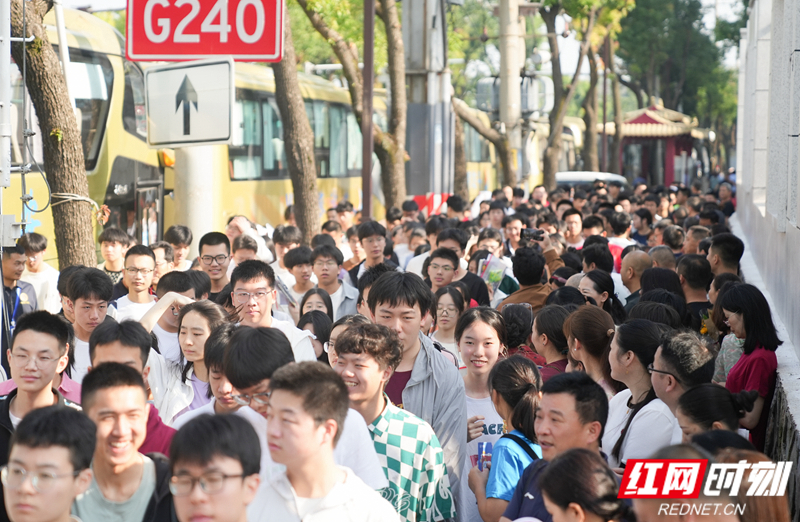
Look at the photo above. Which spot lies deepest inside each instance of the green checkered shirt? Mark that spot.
(413, 460)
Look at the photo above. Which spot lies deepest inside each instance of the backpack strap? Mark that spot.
(522, 444)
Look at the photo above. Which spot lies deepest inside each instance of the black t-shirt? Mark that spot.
(697, 311)
(728, 209)
(212, 296)
(528, 500)
(477, 288)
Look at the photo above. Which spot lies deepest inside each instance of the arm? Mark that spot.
(751, 418)
(552, 258)
(450, 425)
(163, 305)
(491, 509)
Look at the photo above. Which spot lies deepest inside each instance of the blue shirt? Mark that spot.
(509, 460)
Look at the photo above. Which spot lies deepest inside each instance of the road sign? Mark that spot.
(248, 30)
(189, 103)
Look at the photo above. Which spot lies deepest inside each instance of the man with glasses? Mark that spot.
(215, 466)
(372, 236)
(683, 361)
(38, 352)
(442, 268)
(140, 264)
(215, 256)
(51, 452)
(327, 263)
(165, 261)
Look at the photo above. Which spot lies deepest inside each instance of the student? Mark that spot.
(140, 262)
(337, 329)
(456, 240)
(345, 214)
(319, 324)
(497, 211)
(316, 299)
(724, 254)
(180, 237)
(355, 247)
(215, 255)
(365, 284)
(425, 383)
(285, 239)
(127, 486)
(449, 306)
(308, 404)
(432, 228)
(174, 291)
(165, 261)
(244, 248)
(327, 262)
(512, 229)
(88, 293)
(442, 268)
(573, 220)
(419, 487)
(298, 262)
(42, 276)
(201, 283)
(549, 340)
(113, 244)
(63, 277)
(57, 445)
(253, 284)
(128, 343)
(372, 236)
(335, 230)
(214, 467)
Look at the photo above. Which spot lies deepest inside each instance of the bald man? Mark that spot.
(663, 257)
(633, 265)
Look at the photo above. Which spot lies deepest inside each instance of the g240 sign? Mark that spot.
(174, 30)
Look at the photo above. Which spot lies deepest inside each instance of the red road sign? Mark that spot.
(174, 30)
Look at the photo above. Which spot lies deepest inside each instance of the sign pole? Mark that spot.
(194, 190)
(366, 116)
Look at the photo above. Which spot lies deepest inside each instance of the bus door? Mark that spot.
(149, 211)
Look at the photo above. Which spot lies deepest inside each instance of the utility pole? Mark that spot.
(510, 65)
(368, 79)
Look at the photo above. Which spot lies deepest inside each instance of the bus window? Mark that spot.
(338, 137)
(274, 153)
(245, 148)
(354, 144)
(134, 117)
(322, 138)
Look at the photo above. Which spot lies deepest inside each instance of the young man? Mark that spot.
(725, 253)
(694, 235)
(456, 208)
(180, 237)
(140, 263)
(335, 230)
(456, 240)
(512, 228)
(165, 261)
(113, 244)
(620, 223)
(56, 444)
(285, 239)
(215, 465)
(251, 357)
(355, 247)
(253, 289)
(442, 268)
(308, 404)
(364, 285)
(200, 282)
(327, 263)
(345, 214)
(695, 274)
(298, 262)
(20, 297)
(663, 257)
(633, 266)
(425, 383)
(573, 222)
(127, 486)
(42, 276)
(593, 226)
(372, 236)
(128, 343)
(215, 255)
(432, 228)
(572, 414)
(561, 207)
(88, 293)
(410, 210)
(244, 248)
(419, 488)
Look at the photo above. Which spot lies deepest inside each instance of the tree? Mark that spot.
(298, 137)
(589, 155)
(460, 187)
(500, 141)
(615, 161)
(61, 139)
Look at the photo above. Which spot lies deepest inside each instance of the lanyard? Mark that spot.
(14, 313)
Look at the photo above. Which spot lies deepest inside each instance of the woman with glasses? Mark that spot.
(319, 324)
(731, 347)
(589, 331)
(317, 299)
(638, 422)
(748, 315)
(449, 305)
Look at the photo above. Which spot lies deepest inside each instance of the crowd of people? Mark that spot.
(489, 363)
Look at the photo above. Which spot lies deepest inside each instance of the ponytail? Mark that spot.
(708, 403)
(518, 382)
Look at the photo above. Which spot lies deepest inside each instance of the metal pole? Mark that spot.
(605, 76)
(368, 75)
(5, 97)
(195, 190)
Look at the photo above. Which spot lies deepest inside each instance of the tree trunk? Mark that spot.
(460, 187)
(590, 159)
(616, 141)
(500, 141)
(635, 88)
(61, 139)
(298, 138)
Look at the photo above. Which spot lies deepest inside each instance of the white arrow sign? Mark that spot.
(189, 103)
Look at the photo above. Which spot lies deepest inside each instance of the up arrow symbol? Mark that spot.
(187, 96)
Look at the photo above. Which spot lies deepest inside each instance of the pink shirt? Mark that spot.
(70, 389)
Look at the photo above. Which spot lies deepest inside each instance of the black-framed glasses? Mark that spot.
(244, 400)
(651, 370)
(210, 259)
(211, 483)
(14, 476)
(133, 270)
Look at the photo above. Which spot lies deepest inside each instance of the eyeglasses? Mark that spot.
(328, 347)
(21, 360)
(651, 370)
(326, 264)
(244, 297)
(445, 268)
(211, 483)
(727, 320)
(244, 400)
(14, 476)
(210, 259)
(133, 270)
(449, 311)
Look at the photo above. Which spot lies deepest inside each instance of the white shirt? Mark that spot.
(82, 361)
(620, 289)
(168, 343)
(45, 283)
(621, 241)
(336, 299)
(299, 339)
(493, 430)
(130, 311)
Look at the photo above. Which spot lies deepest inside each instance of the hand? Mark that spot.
(176, 299)
(545, 243)
(474, 427)
(477, 479)
(241, 223)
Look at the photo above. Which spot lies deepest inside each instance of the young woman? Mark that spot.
(317, 299)
(481, 338)
(179, 388)
(709, 407)
(549, 339)
(519, 327)
(319, 324)
(515, 386)
(449, 305)
(598, 285)
(589, 331)
(638, 422)
(748, 315)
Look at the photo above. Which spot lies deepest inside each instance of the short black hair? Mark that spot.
(696, 270)
(498, 204)
(331, 226)
(109, 375)
(645, 215)
(128, 333)
(63, 278)
(435, 225)
(214, 353)
(455, 234)
(214, 239)
(528, 266)
(396, 288)
(410, 206)
(140, 250)
(519, 216)
(659, 313)
(89, 283)
(322, 390)
(393, 214)
(58, 426)
(369, 229)
(178, 235)
(600, 255)
(253, 354)
(44, 322)
(729, 248)
(244, 242)
(286, 235)
(344, 206)
(297, 256)
(251, 270)
(571, 212)
(446, 254)
(327, 251)
(620, 222)
(688, 357)
(169, 252)
(322, 239)
(208, 436)
(200, 281)
(369, 277)
(591, 401)
(113, 235)
(592, 222)
(175, 281)
(456, 203)
(32, 242)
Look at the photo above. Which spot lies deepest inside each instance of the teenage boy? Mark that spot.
(174, 291)
(497, 211)
(113, 244)
(127, 486)
(215, 255)
(140, 262)
(425, 383)
(456, 240)
(364, 285)
(335, 230)
(285, 239)
(128, 343)
(573, 222)
(165, 261)
(372, 236)
(419, 488)
(244, 248)
(512, 228)
(42, 276)
(251, 358)
(432, 228)
(56, 445)
(355, 248)
(180, 237)
(214, 465)
(308, 404)
(572, 414)
(327, 263)
(442, 268)
(38, 352)
(298, 262)
(345, 214)
(253, 289)
(88, 293)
